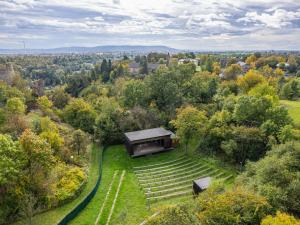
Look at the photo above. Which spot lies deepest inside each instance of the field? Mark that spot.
(53, 216)
(132, 189)
(294, 110)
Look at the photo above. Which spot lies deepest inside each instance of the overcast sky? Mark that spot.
(184, 24)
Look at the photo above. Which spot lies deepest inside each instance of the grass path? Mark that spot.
(53, 216)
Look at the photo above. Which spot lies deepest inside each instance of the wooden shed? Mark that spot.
(149, 141)
(201, 184)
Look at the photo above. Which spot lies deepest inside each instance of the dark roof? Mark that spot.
(153, 66)
(134, 65)
(147, 134)
(203, 183)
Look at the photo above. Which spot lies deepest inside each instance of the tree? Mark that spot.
(232, 71)
(250, 80)
(80, 114)
(189, 124)
(44, 103)
(280, 219)
(201, 88)
(10, 160)
(59, 97)
(79, 141)
(134, 92)
(109, 117)
(38, 160)
(234, 207)
(15, 106)
(276, 176)
(251, 60)
(178, 214)
(144, 65)
(264, 89)
(53, 138)
(291, 90)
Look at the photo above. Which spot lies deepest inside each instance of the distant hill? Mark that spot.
(97, 49)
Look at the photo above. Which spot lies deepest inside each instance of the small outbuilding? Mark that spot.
(201, 184)
(149, 141)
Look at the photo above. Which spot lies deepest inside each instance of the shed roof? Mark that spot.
(203, 183)
(147, 134)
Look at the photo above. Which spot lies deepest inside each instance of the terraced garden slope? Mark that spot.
(174, 178)
(165, 174)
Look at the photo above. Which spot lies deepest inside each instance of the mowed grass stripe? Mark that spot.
(110, 200)
(116, 197)
(106, 197)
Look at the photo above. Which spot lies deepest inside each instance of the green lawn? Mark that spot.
(53, 216)
(294, 110)
(131, 207)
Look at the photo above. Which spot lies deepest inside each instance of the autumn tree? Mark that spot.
(38, 160)
(250, 80)
(190, 124)
(280, 219)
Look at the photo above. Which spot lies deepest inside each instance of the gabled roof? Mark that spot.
(203, 183)
(147, 134)
(134, 65)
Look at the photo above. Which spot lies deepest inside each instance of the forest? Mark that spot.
(235, 107)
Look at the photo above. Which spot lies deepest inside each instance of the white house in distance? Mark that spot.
(184, 61)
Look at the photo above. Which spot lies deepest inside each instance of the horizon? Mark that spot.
(225, 25)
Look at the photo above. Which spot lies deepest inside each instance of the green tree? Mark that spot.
(11, 161)
(276, 176)
(15, 106)
(79, 141)
(189, 124)
(134, 93)
(59, 97)
(291, 90)
(80, 114)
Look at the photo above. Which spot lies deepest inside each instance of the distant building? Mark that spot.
(245, 67)
(134, 67)
(282, 65)
(185, 61)
(152, 67)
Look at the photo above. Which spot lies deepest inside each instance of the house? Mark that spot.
(134, 67)
(201, 184)
(245, 67)
(185, 61)
(149, 141)
(152, 67)
(282, 65)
